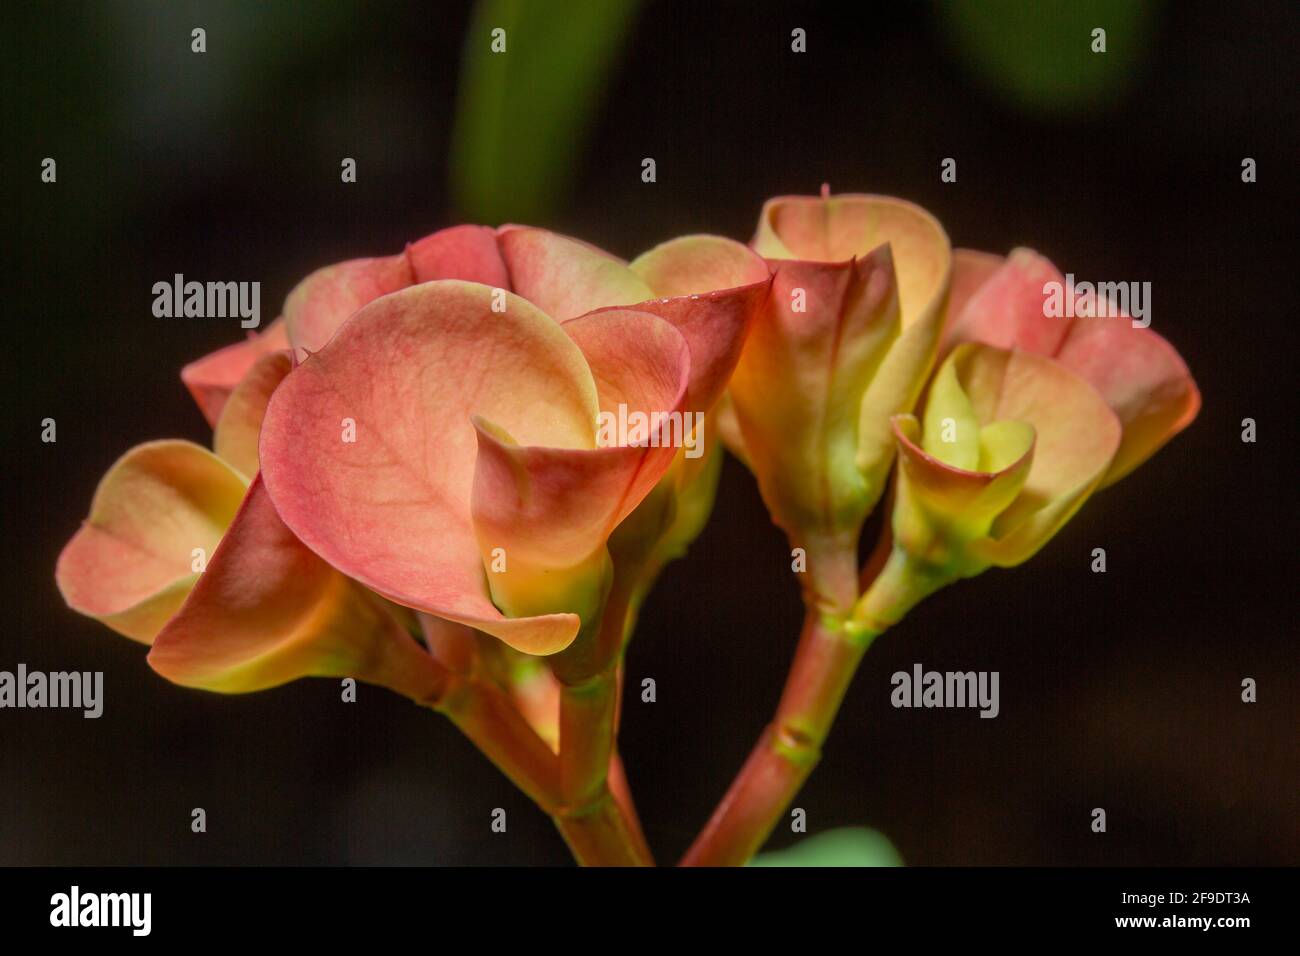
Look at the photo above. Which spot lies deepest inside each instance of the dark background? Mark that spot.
(1119, 690)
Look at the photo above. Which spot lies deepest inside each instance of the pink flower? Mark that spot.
(475, 489)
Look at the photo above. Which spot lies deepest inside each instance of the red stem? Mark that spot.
(788, 748)
(828, 656)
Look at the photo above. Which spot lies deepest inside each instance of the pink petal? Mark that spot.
(323, 301)
(1141, 376)
(1007, 309)
(392, 510)
(970, 270)
(469, 253)
(327, 298)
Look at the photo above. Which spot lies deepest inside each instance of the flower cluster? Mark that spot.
(409, 482)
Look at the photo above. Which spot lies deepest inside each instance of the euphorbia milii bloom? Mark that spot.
(475, 489)
(846, 341)
(1141, 376)
(1009, 446)
(1011, 443)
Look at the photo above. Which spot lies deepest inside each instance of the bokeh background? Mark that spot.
(1119, 690)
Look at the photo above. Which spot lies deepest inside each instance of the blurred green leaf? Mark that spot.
(847, 846)
(522, 114)
(1038, 53)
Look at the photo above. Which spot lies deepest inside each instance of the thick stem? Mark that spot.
(586, 736)
(587, 760)
(827, 658)
(788, 748)
(599, 834)
(589, 684)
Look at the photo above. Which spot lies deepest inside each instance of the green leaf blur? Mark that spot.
(846, 846)
(522, 115)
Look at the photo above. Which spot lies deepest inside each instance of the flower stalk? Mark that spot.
(595, 817)
(829, 652)
(589, 675)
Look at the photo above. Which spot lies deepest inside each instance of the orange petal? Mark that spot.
(834, 228)
(240, 424)
(268, 611)
(715, 288)
(212, 378)
(698, 264)
(132, 563)
(800, 382)
(392, 508)
(837, 228)
(564, 277)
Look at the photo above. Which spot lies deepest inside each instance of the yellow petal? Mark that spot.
(157, 515)
(1077, 435)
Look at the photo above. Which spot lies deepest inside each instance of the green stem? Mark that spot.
(601, 830)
